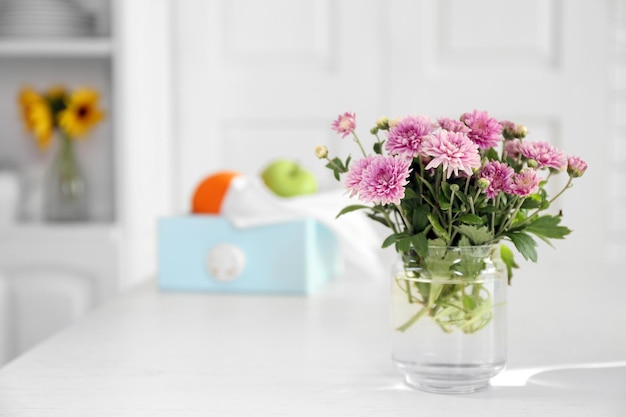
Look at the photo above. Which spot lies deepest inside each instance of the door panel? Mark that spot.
(268, 81)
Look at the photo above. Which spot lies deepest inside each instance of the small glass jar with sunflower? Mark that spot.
(67, 116)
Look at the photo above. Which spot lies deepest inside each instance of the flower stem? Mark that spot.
(505, 224)
(413, 319)
(568, 185)
(358, 142)
(406, 221)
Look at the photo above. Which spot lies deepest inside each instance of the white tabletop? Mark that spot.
(149, 353)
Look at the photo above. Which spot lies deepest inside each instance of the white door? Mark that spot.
(260, 79)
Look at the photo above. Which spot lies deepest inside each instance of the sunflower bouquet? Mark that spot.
(67, 116)
(70, 113)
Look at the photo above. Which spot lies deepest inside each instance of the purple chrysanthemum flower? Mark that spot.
(345, 124)
(453, 125)
(544, 154)
(500, 177)
(576, 167)
(384, 179)
(406, 137)
(485, 130)
(354, 177)
(512, 147)
(453, 150)
(525, 182)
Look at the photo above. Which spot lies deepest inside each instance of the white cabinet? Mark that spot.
(51, 273)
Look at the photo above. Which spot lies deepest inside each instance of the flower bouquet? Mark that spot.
(451, 192)
(71, 115)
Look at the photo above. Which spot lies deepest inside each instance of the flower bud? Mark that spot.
(512, 131)
(382, 123)
(454, 187)
(321, 151)
(374, 130)
(483, 183)
(520, 131)
(576, 167)
(532, 163)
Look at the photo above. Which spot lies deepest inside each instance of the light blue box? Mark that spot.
(207, 253)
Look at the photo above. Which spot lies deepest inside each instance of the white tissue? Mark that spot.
(248, 203)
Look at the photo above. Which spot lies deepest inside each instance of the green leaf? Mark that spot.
(420, 217)
(378, 148)
(420, 244)
(439, 230)
(548, 226)
(492, 154)
(525, 244)
(338, 162)
(404, 244)
(392, 238)
(444, 203)
(471, 219)
(468, 302)
(353, 207)
(507, 257)
(533, 201)
(409, 193)
(478, 235)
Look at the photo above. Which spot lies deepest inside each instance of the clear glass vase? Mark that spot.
(65, 190)
(449, 318)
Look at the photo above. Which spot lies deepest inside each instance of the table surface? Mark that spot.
(151, 353)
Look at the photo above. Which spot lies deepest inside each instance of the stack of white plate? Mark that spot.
(43, 18)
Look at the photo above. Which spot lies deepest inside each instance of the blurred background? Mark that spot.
(189, 87)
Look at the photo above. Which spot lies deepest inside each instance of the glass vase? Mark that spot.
(65, 191)
(449, 318)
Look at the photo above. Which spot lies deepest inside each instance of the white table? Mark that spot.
(149, 353)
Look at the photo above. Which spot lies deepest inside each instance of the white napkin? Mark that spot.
(248, 203)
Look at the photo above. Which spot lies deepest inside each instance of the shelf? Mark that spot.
(57, 232)
(66, 47)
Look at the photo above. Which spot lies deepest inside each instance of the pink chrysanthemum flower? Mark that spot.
(544, 154)
(384, 179)
(500, 177)
(576, 167)
(485, 130)
(453, 125)
(525, 183)
(406, 137)
(345, 124)
(453, 150)
(354, 177)
(512, 147)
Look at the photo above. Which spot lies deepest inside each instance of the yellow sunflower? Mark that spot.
(82, 113)
(40, 118)
(36, 116)
(26, 98)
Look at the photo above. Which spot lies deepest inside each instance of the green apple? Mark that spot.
(287, 178)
